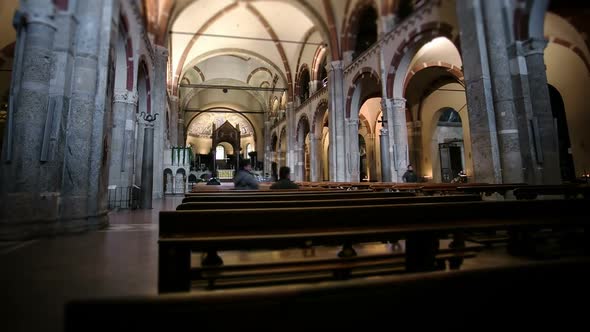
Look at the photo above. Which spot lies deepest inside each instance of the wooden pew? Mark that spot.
(566, 190)
(263, 204)
(540, 296)
(294, 196)
(488, 188)
(268, 192)
(278, 228)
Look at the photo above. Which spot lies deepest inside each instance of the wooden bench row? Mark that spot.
(421, 224)
(293, 196)
(544, 296)
(284, 201)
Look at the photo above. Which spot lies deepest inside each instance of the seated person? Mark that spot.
(244, 179)
(284, 181)
(213, 181)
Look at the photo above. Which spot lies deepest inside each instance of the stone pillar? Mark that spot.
(315, 152)
(173, 120)
(371, 157)
(545, 135)
(352, 150)
(387, 23)
(147, 165)
(181, 140)
(81, 126)
(482, 121)
(505, 113)
(336, 124)
(123, 139)
(268, 153)
(25, 209)
(92, 98)
(291, 137)
(398, 130)
(313, 86)
(59, 103)
(159, 105)
(385, 159)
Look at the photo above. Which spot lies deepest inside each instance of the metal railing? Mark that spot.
(124, 197)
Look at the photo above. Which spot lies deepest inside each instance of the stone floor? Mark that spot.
(39, 276)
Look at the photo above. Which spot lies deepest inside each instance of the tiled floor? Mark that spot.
(39, 276)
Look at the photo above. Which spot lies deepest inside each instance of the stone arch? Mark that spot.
(529, 19)
(302, 127)
(452, 69)
(406, 51)
(144, 99)
(125, 56)
(355, 92)
(258, 70)
(318, 118)
(316, 66)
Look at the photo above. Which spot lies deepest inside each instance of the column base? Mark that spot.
(46, 228)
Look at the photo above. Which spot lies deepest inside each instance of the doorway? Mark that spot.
(451, 160)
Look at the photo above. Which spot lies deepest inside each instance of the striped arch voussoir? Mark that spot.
(417, 37)
(320, 108)
(364, 71)
(452, 69)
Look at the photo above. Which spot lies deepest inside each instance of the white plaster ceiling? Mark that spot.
(237, 18)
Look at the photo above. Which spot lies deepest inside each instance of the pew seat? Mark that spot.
(539, 296)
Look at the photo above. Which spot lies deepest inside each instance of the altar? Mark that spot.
(225, 174)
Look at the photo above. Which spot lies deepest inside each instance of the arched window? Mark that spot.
(249, 149)
(304, 85)
(367, 31)
(220, 152)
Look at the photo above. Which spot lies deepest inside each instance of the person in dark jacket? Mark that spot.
(244, 179)
(284, 181)
(409, 175)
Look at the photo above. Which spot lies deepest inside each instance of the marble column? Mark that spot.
(53, 151)
(25, 210)
(336, 123)
(387, 23)
(291, 132)
(147, 165)
(173, 130)
(398, 130)
(267, 148)
(95, 58)
(313, 86)
(352, 150)
(159, 105)
(181, 141)
(545, 134)
(315, 152)
(506, 118)
(371, 157)
(385, 159)
(123, 139)
(480, 107)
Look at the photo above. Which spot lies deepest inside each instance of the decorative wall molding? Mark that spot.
(126, 97)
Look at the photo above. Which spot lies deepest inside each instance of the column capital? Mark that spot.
(173, 98)
(161, 51)
(396, 103)
(336, 65)
(534, 46)
(383, 131)
(125, 97)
